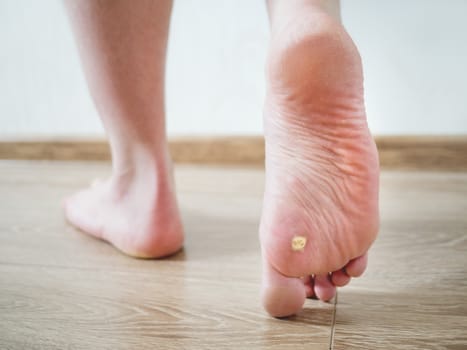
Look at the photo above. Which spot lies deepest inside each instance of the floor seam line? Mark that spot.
(333, 326)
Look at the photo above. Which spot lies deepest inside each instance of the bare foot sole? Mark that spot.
(320, 212)
(136, 212)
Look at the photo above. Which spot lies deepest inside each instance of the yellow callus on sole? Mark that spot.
(298, 243)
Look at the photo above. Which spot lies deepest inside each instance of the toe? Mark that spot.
(357, 266)
(324, 289)
(339, 278)
(282, 296)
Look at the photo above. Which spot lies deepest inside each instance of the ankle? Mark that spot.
(279, 10)
(144, 167)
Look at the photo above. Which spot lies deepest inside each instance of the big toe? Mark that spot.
(281, 295)
(357, 266)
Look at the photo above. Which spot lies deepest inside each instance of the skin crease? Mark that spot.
(321, 162)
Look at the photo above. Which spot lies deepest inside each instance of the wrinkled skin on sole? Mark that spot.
(320, 212)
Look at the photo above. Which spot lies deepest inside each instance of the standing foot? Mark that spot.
(135, 210)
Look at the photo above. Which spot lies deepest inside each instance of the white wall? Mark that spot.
(414, 52)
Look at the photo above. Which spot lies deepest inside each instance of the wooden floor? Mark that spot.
(60, 289)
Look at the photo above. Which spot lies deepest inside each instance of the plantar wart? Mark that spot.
(298, 243)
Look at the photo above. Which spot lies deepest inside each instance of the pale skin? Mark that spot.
(320, 209)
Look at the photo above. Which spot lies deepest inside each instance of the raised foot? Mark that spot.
(320, 212)
(136, 212)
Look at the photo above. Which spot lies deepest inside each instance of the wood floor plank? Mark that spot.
(60, 289)
(414, 294)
